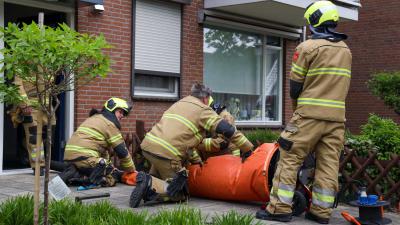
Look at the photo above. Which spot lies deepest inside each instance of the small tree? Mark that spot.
(386, 86)
(38, 55)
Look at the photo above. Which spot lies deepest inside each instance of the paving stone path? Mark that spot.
(17, 184)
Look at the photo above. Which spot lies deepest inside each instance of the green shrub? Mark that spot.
(261, 136)
(384, 133)
(180, 216)
(387, 87)
(19, 211)
(360, 143)
(233, 217)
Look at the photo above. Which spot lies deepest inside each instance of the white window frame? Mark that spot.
(264, 123)
(70, 95)
(150, 93)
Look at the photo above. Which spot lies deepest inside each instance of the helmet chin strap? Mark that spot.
(328, 33)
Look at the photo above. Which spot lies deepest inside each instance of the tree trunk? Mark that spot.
(36, 199)
(49, 136)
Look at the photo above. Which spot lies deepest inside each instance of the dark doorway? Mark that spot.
(15, 155)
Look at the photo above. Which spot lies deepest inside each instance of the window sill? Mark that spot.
(263, 124)
(154, 98)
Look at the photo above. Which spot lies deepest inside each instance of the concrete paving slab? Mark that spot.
(12, 185)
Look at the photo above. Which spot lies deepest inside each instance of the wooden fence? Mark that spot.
(359, 172)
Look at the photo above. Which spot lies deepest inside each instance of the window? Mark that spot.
(157, 49)
(244, 71)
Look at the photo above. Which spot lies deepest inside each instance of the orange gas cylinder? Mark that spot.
(225, 177)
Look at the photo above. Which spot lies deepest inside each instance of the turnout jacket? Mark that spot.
(94, 137)
(217, 142)
(323, 69)
(183, 126)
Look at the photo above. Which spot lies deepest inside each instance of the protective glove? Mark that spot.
(246, 155)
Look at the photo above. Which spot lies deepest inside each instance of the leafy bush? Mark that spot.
(387, 87)
(179, 216)
(261, 136)
(233, 217)
(360, 143)
(384, 133)
(19, 211)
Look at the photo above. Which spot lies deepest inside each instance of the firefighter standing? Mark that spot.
(319, 82)
(88, 147)
(181, 128)
(28, 114)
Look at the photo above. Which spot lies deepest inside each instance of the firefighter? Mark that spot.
(167, 146)
(216, 144)
(87, 149)
(319, 82)
(29, 115)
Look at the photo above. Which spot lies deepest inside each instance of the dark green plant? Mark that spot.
(17, 211)
(233, 217)
(386, 86)
(384, 133)
(257, 136)
(181, 216)
(360, 143)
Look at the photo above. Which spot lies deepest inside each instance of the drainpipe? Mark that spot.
(304, 34)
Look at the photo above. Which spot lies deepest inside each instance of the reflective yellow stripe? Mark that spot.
(127, 164)
(321, 102)
(79, 149)
(242, 140)
(195, 155)
(185, 122)
(330, 71)
(299, 70)
(236, 152)
(163, 143)
(89, 131)
(285, 193)
(210, 122)
(323, 197)
(207, 144)
(115, 138)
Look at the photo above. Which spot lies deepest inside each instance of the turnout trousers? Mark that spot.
(31, 132)
(301, 137)
(162, 171)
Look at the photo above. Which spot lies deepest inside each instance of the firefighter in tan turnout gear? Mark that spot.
(217, 144)
(181, 128)
(28, 114)
(319, 82)
(87, 150)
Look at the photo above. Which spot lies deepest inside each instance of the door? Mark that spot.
(15, 155)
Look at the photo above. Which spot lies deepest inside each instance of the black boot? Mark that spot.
(143, 184)
(265, 215)
(315, 218)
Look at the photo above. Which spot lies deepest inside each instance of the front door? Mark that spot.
(15, 155)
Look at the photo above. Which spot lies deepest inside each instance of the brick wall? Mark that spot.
(115, 23)
(289, 48)
(375, 47)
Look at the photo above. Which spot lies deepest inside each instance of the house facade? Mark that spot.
(242, 49)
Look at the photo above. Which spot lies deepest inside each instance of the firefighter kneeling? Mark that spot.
(182, 127)
(87, 150)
